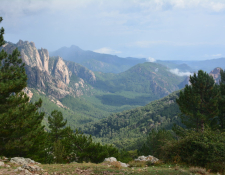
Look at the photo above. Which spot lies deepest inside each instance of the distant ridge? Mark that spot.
(97, 61)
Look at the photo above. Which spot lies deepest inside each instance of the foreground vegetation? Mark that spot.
(107, 168)
(113, 168)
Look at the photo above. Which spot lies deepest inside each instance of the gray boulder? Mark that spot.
(149, 158)
(22, 161)
(110, 159)
(113, 159)
(32, 168)
(124, 164)
(2, 163)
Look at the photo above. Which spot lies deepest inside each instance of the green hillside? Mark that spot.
(111, 93)
(127, 129)
(152, 78)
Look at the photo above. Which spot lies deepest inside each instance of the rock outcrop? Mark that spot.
(61, 71)
(215, 73)
(81, 71)
(52, 76)
(113, 159)
(149, 158)
(44, 55)
(28, 92)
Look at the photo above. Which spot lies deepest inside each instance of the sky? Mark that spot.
(152, 29)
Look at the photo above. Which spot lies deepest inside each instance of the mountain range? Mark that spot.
(194, 66)
(97, 61)
(117, 107)
(85, 95)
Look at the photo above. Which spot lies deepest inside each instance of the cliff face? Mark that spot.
(215, 73)
(44, 55)
(51, 76)
(61, 71)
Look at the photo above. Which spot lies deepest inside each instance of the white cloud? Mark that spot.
(217, 6)
(150, 59)
(147, 44)
(107, 50)
(177, 72)
(217, 55)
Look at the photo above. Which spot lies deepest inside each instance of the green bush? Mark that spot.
(205, 149)
(154, 142)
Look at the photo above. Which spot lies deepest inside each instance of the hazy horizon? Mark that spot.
(156, 29)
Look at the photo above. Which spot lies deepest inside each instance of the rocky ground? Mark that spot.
(143, 165)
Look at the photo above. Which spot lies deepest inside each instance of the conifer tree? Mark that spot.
(221, 116)
(198, 102)
(20, 125)
(56, 125)
(12, 75)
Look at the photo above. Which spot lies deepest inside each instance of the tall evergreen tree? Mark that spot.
(56, 125)
(20, 125)
(221, 116)
(198, 102)
(12, 75)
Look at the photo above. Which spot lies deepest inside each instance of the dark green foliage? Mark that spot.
(221, 106)
(154, 142)
(12, 76)
(80, 147)
(58, 151)
(125, 156)
(20, 127)
(56, 125)
(205, 149)
(119, 100)
(129, 128)
(148, 78)
(198, 102)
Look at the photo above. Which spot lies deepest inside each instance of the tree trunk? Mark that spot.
(202, 126)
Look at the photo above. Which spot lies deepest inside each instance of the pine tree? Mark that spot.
(12, 75)
(198, 102)
(56, 125)
(221, 116)
(20, 125)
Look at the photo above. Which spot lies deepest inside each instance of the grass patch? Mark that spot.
(113, 168)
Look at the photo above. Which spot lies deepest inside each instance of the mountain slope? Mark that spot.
(94, 95)
(151, 78)
(96, 61)
(127, 128)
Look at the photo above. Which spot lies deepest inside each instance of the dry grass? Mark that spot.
(198, 170)
(107, 168)
(137, 163)
(116, 165)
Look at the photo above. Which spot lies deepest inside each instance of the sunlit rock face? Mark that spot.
(61, 71)
(215, 73)
(51, 76)
(44, 55)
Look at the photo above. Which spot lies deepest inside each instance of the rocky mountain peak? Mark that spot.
(215, 73)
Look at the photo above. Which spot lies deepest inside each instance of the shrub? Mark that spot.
(197, 149)
(216, 166)
(155, 141)
(124, 156)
